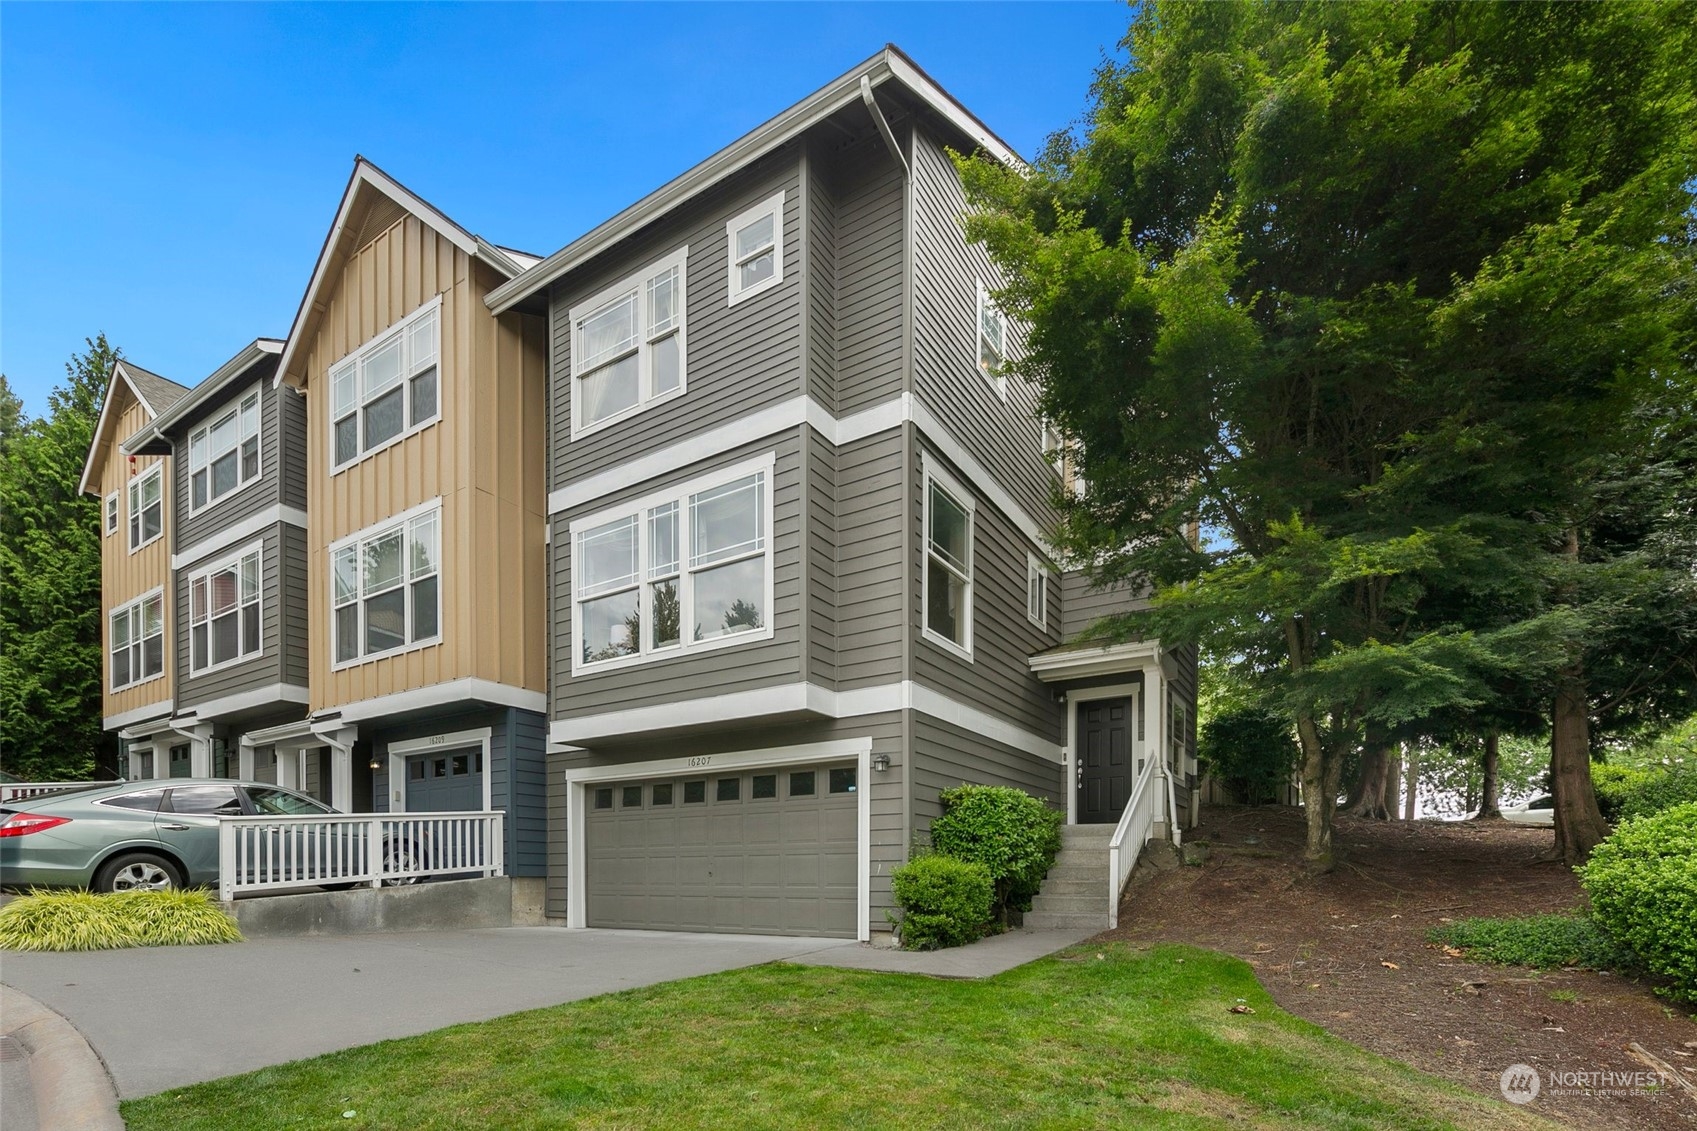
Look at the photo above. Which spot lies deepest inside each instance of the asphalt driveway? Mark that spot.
(167, 1016)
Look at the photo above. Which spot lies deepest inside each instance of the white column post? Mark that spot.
(342, 767)
(200, 750)
(244, 759)
(289, 767)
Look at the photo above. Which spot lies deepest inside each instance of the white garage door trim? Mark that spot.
(578, 781)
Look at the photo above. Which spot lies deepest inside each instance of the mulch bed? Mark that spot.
(1348, 951)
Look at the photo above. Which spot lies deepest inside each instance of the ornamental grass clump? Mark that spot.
(80, 920)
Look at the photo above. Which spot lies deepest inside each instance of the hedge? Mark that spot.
(1642, 882)
(944, 901)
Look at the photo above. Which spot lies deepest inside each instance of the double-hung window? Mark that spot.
(137, 640)
(1054, 447)
(948, 563)
(112, 513)
(992, 342)
(1036, 591)
(147, 506)
(224, 455)
(385, 587)
(628, 345)
(224, 624)
(387, 388)
(756, 249)
(678, 572)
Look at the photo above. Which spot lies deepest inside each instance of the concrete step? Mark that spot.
(1091, 875)
(1058, 886)
(1083, 834)
(1041, 921)
(1080, 904)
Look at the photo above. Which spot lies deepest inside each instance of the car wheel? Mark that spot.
(137, 871)
(399, 856)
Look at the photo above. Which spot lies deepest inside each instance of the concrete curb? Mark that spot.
(73, 1091)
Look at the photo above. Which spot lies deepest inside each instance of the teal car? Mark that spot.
(158, 834)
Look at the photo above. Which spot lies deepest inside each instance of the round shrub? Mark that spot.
(1659, 789)
(1613, 782)
(944, 901)
(1012, 834)
(1642, 882)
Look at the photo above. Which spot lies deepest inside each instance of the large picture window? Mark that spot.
(386, 588)
(137, 641)
(386, 389)
(224, 455)
(147, 506)
(948, 564)
(628, 345)
(224, 616)
(676, 573)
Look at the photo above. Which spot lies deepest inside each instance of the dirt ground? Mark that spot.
(1348, 951)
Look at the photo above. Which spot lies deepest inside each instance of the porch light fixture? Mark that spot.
(880, 762)
(374, 764)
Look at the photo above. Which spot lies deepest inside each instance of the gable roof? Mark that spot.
(891, 65)
(366, 179)
(151, 440)
(155, 393)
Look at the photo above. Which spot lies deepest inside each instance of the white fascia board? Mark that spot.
(1110, 659)
(454, 691)
(211, 709)
(100, 421)
(241, 532)
(126, 719)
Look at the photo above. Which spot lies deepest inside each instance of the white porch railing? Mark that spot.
(22, 790)
(1136, 827)
(258, 854)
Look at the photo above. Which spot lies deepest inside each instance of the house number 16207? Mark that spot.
(700, 760)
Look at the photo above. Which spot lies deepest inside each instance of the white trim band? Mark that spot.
(122, 719)
(454, 691)
(244, 531)
(212, 709)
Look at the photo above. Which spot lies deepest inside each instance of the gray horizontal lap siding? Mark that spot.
(998, 679)
(193, 527)
(889, 833)
(737, 667)
(869, 250)
(945, 755)
(291, 467)
(821, 281)
(1004, 436)
(1082, 605)
(820, 533)
(870, 624)
(739, 358)
(293, 605)
(264, 670)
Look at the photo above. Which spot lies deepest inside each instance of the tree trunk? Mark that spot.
(1489, 801)
(1319, 793)
(1393, 783)
(1410, 806)
(1579, 823)
(1371, 795)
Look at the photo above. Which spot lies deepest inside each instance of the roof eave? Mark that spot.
(118, 372)
(253, 353)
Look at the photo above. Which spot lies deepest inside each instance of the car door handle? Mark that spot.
(175, 828)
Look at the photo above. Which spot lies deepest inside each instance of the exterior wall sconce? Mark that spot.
(374, 764)
(880, 762)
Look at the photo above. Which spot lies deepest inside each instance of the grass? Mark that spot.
(80, 920)
(1542, 942)
(1107, 1037)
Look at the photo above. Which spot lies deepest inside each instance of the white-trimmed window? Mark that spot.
(147, 506)
(387, 389)
(385, 587)
(1036, 591)
(628, 345)
(224, 617)
(224, 454)
(1178, 731)
(137, 640)
(1054, 447)
(111, 513)
(756, 249)
(676, 572)
(948, 563)
(992, 342)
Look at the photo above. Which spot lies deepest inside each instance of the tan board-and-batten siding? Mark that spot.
(125, 576)
(482, 458)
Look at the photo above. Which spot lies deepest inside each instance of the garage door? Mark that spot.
(767, 851)
(449, 781)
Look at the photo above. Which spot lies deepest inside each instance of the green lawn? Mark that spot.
(1131, 1039)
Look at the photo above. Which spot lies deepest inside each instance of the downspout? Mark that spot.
(883, 125)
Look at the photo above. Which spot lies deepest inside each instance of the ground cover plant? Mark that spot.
(1542, 942)
(80, 920)
(1093, 1037)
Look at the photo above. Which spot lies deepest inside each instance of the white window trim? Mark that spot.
(680, 494)
(1036, 571)
(164, 639)
(934, 473)
(678, 259)
(999, 379)
(133, 490)
(411, 430)
(110, 517)
(234, 558)
(773, 205)
(383, 527)
(242, 484)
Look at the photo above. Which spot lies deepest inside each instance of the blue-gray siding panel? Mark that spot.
(190, 527)
(945, 755)
(263, 670)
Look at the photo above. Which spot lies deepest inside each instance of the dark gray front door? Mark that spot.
(1104, 760)
(445, 781)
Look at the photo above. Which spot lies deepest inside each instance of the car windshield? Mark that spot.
(282, 803)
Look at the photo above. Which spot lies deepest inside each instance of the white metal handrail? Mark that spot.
(23, 790)
(258, 854)
(1136, 826)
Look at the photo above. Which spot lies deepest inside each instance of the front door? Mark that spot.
(1104, 760)
(445, 781)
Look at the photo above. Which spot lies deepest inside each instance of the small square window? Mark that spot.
(801, 783)
(695, 792)
(730, 789)
(632, 797)
(415, 770)
(462, 764)
(842, 781)
(604, 797)
(439, 768)
(662, 793)
(765, 785)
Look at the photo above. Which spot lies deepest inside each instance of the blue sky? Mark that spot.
(168, 172)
